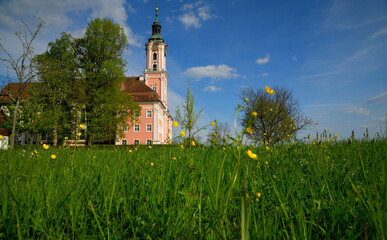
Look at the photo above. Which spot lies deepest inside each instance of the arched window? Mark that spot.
(154, 56)
(154, 67)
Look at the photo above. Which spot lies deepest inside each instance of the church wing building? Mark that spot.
(150, 92)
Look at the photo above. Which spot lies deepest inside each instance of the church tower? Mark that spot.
(155, 72)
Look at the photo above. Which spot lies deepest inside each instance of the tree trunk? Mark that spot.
(13, 132)
(55, 133)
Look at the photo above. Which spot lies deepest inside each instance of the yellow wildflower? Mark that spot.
(335, 135)
(246, 99)
(150, 147)
(193, 143)
(182, 133)
(267, 143)
(174, 158)
(254, 114)
(212, 123)
(1, 137)
(249, 130)
(81, 126)
(66, 138)
(152, 163)
(35, 151)
(251, 154)
(267, 148)
(130, 151)
(269, 90)
(135, 148)
(271, 109)
(259, 194)
(224, 148)
(214, 134)
(266, 163)
(45, 146)
(53, 156)
(264, 134)
(175, 124)
(181, 146)
(79, 134)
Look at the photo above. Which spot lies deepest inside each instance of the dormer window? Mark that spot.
(154, 56)
(154, 67)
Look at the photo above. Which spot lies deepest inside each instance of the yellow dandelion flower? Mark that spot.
(264, 134)
(267, 143)
(32, 153)
(249, 130)
(224, 148)
(53, 156)
(271, 109)
(193, 143)
(182, 133)
(267, 148)
(81, 126)
(251, 154)
(174, 158)
(214, 134)
(258, 194)
(269, 90)
(66, 138)
(35, 151)
(152, 163)
(212, 123)
(150, 147)
(181, 146)
(1, 137)
(246, 99)
(266, 163)
(335, 135)
(254, 114)
(175, 124)
(130, 151)
(135, 148)
(45, 146)
(79, 134)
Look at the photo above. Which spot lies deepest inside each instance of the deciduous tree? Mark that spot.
(278, 115)
(24, 70)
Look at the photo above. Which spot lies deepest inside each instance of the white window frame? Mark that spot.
(136, 141)
(150, 112)
(154, 88)
(124, 142)
(134, 128)
(149, 142)
(150, 128)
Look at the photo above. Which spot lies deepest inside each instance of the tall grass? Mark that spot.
(306, 191)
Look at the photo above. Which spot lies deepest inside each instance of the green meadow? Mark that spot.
(320, 190)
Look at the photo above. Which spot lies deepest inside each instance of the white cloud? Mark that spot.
(195, 13)
(190, 20)
(265, 74)
(212, 88)
(358, 111)
(211, 71)
(378, 99)
(264, 60)
(379, 33)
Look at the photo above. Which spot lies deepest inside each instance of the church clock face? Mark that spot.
(154, 47)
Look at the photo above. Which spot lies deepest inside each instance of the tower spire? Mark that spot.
(157, 9)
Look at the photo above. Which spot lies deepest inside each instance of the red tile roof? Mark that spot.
(139, 90)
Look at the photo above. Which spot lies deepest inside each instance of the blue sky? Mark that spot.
(332, 54)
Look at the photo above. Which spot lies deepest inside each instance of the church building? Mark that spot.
(150, 92)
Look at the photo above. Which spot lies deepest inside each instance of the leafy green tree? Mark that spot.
(25, 72)
(58, 71)
(102, 68)
(279, 115)
(187, 118)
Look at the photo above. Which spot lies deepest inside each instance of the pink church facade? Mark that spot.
(150, 92)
